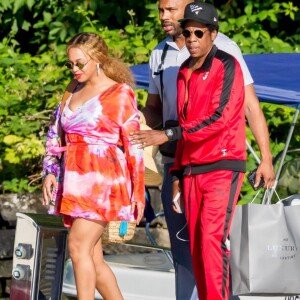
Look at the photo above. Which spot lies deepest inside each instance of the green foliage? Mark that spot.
(133, 44)
(17, 186)
(30, 87)
(141, 95)
(279, 118)
(35, 24)
(249, 32)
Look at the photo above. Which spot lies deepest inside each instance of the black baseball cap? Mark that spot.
(200, 12)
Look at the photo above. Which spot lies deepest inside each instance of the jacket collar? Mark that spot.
(207, 62)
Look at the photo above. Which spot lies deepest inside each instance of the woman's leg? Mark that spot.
(84, 236)
(106, 282)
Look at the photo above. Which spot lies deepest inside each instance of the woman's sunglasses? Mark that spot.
(198, 33)
(79, 65)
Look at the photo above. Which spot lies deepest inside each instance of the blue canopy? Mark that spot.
(276, 77)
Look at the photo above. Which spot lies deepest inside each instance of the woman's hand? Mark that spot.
(49, 184)
(139, 206)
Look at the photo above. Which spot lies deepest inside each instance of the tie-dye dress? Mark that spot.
(102, 171)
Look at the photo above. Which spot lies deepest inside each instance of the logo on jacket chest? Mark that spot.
(205, 75)
(224, 152)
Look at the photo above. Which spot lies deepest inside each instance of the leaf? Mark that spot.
(241, 21)
(7, 60)
(47, 17)
(11, 139)
(5, 5)
(130, 28)
(138, 43)
(11, 157)
(63, 34)
(262, 15)
(54, 31)
(57, 23)
(248, 9)
(3, 112)
(30, 3)
(151, 44)
(273, 17)
(15, 26)
(292, 16)
(265, 34)
(141, 50)
(26, 25)
(18, 4)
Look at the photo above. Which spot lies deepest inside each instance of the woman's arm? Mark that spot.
(52, 158)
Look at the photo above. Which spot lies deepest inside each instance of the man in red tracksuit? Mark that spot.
(211, 151)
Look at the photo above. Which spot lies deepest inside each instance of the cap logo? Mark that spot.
(195, 9)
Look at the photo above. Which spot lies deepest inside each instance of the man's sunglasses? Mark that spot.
(198, 33)
(79, 65)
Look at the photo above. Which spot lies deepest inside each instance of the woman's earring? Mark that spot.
(98, 69)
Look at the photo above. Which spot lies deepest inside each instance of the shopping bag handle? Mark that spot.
(268, 194)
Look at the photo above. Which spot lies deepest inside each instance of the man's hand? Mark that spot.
(176, 188)
(148, 137)
(265, 170)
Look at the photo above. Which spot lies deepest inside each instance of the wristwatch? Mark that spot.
(169, 133)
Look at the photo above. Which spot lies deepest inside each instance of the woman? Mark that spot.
(103, 177)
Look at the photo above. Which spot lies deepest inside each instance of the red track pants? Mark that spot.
(210, 200)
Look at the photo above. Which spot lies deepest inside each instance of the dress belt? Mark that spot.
(76, 139)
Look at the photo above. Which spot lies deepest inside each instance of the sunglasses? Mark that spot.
(198, 33)
(79, 65)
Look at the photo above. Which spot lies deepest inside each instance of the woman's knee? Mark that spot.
(78, 249)
(73, 247)
(83, 238)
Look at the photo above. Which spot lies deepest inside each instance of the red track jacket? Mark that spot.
(213, 125)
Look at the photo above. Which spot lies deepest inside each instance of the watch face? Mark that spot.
(169, 132)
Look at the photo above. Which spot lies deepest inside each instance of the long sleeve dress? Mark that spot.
(101, 172)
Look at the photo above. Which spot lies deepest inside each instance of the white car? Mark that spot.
(141, 276)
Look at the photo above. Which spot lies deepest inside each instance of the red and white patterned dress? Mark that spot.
(103, 171)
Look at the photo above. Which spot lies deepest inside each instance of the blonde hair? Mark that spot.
(95, 47)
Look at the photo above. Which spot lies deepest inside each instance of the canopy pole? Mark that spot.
(268, 196)
(253, 152)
